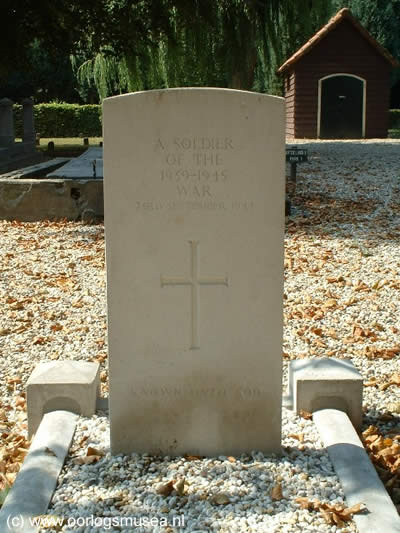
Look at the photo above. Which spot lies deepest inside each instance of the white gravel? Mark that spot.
(342, 283)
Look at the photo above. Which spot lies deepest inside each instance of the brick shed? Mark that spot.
(337, 85)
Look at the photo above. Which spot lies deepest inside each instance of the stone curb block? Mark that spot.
(33, 488)
(326, 383)
(356, 473)
(61, 386)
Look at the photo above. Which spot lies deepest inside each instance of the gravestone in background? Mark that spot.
(194, 214)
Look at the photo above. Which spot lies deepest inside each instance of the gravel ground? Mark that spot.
(342, 283)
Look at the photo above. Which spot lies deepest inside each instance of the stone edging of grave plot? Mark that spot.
(33, 488)
(32, 200)
(35, 170)
(357, 475)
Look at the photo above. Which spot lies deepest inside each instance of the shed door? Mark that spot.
(342, 107)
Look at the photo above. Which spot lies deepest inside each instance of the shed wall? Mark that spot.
(343, 50)
(290, 81)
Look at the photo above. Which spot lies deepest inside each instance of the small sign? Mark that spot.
(296, 155)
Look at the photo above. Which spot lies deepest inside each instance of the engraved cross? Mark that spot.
(194, 281)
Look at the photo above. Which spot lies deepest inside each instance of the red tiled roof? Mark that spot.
(343, 14)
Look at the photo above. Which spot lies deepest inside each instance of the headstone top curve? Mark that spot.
(191, 91)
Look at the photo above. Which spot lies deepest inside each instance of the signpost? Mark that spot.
(294, 155)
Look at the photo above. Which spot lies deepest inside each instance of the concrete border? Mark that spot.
(61, 386)
(35, 170)
(34, 486)
(326, 383)
(30, 200)
(357, 475)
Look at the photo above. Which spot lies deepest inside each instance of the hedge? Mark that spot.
(394, 118)
(63, 120)
(74, 120)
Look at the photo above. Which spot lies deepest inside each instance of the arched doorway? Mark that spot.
(341, 107)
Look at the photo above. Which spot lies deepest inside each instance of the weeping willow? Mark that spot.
(295, 22)
(232, 43)
(116, 75)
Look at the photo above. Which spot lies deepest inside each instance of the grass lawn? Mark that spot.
(66, 146)
(73, 146)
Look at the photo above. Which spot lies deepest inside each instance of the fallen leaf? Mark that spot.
(336, 519)
(361, 286)
(100, 358)
(20, 329)
(179, 486)
(83, 440)
(14, 381)
(276, 493)
(94, 451)
(18, 306)
(298, 436)
(193, 457)
(40, 340)
(165, 489)
(373, 382)
(371, 430)
(317, 331)
(335, 280)
(348, 512)
(394, 407)
(320, 343)
(87, 460)
(305, 503)
(393, 380)
(20, 401)
(10, 477)
(220, 498)
(363, 333)
(48, 451)
(333, 514)
(372, 352)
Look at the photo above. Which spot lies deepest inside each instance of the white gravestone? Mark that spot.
(194, 217)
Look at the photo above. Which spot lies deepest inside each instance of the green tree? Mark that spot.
(380, 17)
(228, 43)
(297, 22)
(121, 45)
(49, 77)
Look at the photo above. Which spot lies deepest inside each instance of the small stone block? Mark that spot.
(326, 383)
(62, 385)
